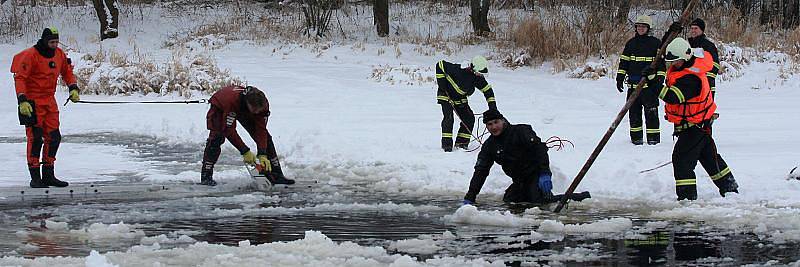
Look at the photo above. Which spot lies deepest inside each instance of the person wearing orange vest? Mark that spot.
(690, 107)
(36, 71)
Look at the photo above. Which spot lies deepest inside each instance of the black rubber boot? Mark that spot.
(49, 177)
(653, 139)
(463, 146)
(447, 144)
(276, 176)
(36, 178)
(729, 186)
(206, 175)
(686, 192)
(637, 142)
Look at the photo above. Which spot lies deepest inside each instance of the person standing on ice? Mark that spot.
(698, 39)
(249, 106)
(690, 107)
(639, 52)
(523, 157)
(455, 85)
(36, 71)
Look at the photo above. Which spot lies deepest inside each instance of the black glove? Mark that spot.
(620, 85)
(493, 105)
(649, 73)
(676, 27)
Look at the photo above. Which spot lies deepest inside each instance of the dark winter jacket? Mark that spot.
(521, 153)
(708, 46)
(456, 84)
(639, 53)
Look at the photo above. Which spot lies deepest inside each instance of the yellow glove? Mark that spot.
(249, 157)
(73, 96)
(25, 109)
(265, 164)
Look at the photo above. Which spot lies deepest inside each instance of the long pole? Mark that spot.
(582, 173)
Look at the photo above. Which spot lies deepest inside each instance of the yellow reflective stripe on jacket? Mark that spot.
(678, 94)
(685, 182)
(663, 92)
(491, 99)
(447, 135)
(486, 88)
(441, 97)
(439, 76)
(711, 75)
(653, 131)
(637, 129)
(450, 79)
(622, 72)
(716, 64)
(661, 73)
(464, 135)
(642, 59)
(721, 174)
(624, 57)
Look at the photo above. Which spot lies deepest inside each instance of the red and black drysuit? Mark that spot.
(227, 107)
(36, 71)
(455, 85)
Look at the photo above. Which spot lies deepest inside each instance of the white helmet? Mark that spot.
(480, 64)
(644, 19)
(679, 48)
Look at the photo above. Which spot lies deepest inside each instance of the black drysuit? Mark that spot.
(639, 53)
(454, 86)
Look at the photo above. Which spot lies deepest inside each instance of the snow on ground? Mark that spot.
(333, 120)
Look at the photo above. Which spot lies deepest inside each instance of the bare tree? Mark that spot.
(623, 10)
(380, 11)
(318, 14)
(108, 14)
(479, 16)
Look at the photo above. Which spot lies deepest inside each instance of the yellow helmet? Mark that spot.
(644, 19)
(679, 48)
(480, 64)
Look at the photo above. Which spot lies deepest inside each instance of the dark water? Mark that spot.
(211, 215)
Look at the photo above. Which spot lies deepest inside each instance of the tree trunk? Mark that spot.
(380, 11)
(108, 15)
(791, 14)
(622, 12)
(479, 16)
(745, 8)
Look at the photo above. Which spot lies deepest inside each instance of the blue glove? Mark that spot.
(545, 182)
(467, 202)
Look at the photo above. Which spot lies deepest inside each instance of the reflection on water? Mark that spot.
(230, 216)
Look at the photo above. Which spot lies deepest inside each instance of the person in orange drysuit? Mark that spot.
(36, 71)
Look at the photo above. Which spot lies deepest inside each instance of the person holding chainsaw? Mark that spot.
(249, 106)
(524, 158)
(36, 71)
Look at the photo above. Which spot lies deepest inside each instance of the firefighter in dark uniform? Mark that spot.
(455, 85)
(523, 157)
(690, 107)
(250, 107)
(639, 53)
(698, 39)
